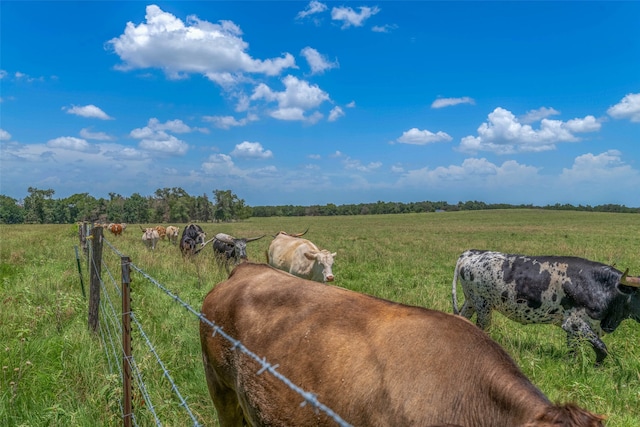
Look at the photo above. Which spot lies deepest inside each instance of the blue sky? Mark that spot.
(323, 102)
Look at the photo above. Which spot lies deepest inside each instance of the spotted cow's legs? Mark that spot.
(578, 330)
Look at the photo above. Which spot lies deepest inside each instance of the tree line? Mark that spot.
(175, 205)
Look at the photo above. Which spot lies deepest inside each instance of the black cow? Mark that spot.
(585, 298)
(192, 235)
(229, 249)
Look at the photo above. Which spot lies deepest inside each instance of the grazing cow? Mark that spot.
(173, 233)
(300, 257)
(585, 298)
(162, 232)
(150, 237)
(229, 249)
(116, 229)
(192, 235)
(372, 361)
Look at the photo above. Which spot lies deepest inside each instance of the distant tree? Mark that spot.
(38, 206)
(81, 207)
(10, 211)
(136, 209)
(228, 207)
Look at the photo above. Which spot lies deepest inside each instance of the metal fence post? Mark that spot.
(95, 267)
(126, 342)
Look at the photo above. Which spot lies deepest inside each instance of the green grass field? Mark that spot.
(55, 371)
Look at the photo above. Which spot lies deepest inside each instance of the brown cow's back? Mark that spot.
(372, 361)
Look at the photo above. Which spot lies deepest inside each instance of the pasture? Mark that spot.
(54, 371)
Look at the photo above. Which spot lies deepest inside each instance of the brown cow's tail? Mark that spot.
(454, 295)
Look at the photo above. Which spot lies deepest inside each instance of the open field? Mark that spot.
(54, 371)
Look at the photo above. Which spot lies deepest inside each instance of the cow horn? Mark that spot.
(301, 234)
(629, 281)
(251, 239)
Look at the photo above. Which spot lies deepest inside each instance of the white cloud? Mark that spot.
(4, 135)
(593, 168)
(504, 134)
(227, 122)
(473, 172)
(350, 17)
(154, 136)
(72, 144)
(627, 108)
(220, 165)
(537, 115)
(298, 97)
(335, 113)
(449, 102)
(97, 136)
(252, 150)
(89, 111)
(214, 50)
(354, 164)
(312, 8)
(163, 143)
(416, 136)
(384, 28)
(317, 62)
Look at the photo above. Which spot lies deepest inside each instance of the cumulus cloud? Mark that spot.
(350, 17)
(71, 143)
(251, 150)
(593, 168)
(89, 111)
(357, 165)
(504, 134)
(298, 97)
(4, 135)
(219, 165)
(627, 108)
(449, 102)
(539, 114)
(155, 136)
(416, 136)
(215, 50)
(312, 8)
(227, 122)
(97, 136)
(317, 62)
(335, 113)
(383, 28)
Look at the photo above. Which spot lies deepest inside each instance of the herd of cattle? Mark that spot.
(377, 362)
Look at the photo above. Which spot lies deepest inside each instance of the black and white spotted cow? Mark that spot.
(585, 298)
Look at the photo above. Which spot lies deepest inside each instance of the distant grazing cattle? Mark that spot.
(150, 237)
(116, 229)
(585, 298)
(192, 236)
(229, 249)
(300, 257)
(162, 231)
(371, 361)
(173, 233)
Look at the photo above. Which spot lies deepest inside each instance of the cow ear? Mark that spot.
(309, 255)
(626, 290)
(334, 254)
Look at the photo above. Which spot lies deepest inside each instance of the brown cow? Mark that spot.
(116, 229)
(162, 232)
(372, 361)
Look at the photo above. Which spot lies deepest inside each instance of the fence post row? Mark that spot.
(126, 341)
(95, 267)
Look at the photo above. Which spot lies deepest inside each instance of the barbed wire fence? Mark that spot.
(115, 326)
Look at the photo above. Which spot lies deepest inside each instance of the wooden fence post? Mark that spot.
(95, 267)
(126, 342)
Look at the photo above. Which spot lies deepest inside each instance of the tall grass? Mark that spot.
(55, 372)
